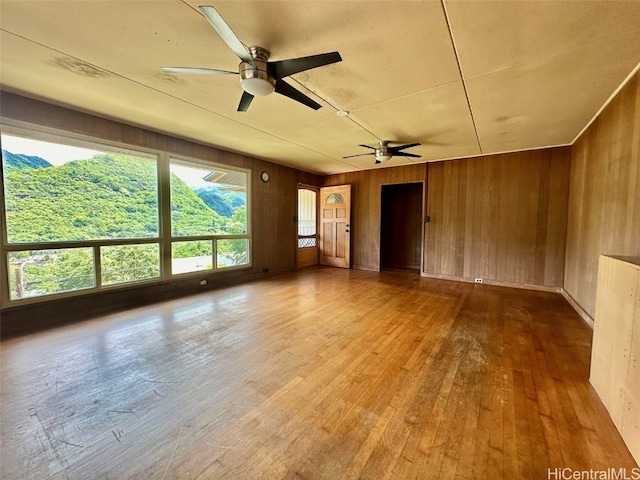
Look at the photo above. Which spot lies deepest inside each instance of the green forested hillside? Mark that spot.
(219, 200)
(107, 196)
(13, 161)
(189, 214)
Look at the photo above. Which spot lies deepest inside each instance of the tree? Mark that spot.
(128, 263)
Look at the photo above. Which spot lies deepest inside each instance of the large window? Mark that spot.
(55, 192)
(208, 217)
(80, 216)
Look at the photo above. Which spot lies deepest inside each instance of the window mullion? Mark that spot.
(164, 204)
(97, 265)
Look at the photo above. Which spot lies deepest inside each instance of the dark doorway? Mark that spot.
(401, 226)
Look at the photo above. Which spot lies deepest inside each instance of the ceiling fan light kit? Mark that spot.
(255, 79)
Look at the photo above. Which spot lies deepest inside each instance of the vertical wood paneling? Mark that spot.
(491, 217)
(465, 232)
(447, 262)
(559, 172)
(432, 232)
(604, 199)
(494, 179)
(366, 191)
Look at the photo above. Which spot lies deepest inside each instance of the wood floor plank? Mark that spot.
(321, 374)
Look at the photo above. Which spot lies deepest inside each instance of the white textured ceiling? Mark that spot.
(461, 77)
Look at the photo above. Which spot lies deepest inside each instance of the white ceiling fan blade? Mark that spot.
(225, 32)
(197, 71)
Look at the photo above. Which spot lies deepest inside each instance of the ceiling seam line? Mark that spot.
(408, 95)
(336, 109)
(464, 83)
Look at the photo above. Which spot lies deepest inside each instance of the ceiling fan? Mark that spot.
(258, 76)
(384, 152)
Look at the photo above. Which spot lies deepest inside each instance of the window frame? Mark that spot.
(164, 238)
(190, 161)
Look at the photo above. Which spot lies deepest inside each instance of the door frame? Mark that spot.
(425, 219)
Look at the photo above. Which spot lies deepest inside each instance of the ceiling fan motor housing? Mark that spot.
(256, 79)
(382, 152)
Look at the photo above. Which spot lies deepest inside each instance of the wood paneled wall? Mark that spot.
(273, 211)
(366, 192)
(501, 218)
(604, 199)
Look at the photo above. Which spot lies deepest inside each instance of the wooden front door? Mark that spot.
(335, 226)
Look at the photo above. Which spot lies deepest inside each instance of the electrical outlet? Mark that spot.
(478, 280)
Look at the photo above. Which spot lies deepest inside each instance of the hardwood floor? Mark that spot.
(326, 373)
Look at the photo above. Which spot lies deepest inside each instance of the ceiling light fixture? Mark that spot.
(255, 79)
(257, 86)
(342, 113)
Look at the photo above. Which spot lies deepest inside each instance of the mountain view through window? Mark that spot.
(83, 218)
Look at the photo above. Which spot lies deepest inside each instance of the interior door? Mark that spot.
(335, 226)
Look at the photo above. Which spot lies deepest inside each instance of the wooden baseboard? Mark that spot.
(525, 286)
(579, 310)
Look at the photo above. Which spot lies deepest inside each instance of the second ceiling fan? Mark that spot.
(258, 76)
(384, 152)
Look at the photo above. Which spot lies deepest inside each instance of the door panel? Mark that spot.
(335, 233)
(327, 239)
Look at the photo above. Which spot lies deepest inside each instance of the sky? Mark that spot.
(54, 153)
(58, 154)
(191, 176)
